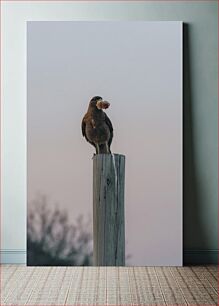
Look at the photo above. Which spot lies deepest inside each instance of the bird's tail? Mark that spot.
(104, 149)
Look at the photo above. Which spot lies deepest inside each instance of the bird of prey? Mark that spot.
(97, 127)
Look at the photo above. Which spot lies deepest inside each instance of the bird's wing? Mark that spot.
(109, 123)
(83, 125)
(83, 129)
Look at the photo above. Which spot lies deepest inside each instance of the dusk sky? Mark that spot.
(137, 67)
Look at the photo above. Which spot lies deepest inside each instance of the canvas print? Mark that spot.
(104, 143)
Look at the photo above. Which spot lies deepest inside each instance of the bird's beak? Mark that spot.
(102, 104)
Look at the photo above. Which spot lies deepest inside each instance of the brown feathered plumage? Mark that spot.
(97, 127)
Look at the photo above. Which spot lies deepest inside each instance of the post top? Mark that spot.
(116, 155)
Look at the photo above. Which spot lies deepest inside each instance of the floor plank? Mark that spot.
(195, 285)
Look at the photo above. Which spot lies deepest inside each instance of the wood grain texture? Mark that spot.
(108, 209)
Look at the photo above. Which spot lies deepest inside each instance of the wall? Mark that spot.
(200, 112)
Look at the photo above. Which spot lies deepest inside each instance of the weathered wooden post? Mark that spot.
(108, 209)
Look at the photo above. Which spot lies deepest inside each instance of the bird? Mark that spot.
(97, 127)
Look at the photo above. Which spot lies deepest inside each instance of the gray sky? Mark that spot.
(137, 67)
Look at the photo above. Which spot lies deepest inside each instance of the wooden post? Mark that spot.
(108, 209)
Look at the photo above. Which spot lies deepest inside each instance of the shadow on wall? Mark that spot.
(192, 227)
(53, 241)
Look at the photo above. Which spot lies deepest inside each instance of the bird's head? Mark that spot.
(99, 103)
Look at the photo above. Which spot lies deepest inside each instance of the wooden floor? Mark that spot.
(23, 285)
